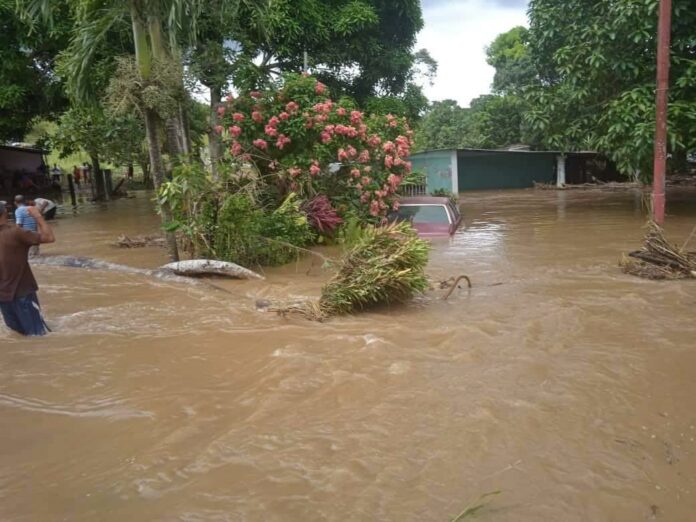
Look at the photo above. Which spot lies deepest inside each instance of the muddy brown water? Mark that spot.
(569, 386)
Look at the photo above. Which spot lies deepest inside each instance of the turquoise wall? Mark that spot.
(501, 170)
(437, 166)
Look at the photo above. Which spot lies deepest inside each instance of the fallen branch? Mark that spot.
(453, 284)
(658, 259)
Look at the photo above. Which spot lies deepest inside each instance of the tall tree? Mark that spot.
(509, 54)
(212, 57)
(444, 126)
(357, 47)
(148, 21)
(595, 62)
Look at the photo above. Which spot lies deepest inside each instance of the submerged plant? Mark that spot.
(322, 215)
(386, 266)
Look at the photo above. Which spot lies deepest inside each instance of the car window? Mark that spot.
(432, 214)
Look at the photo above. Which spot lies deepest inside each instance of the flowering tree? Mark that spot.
(301, 140)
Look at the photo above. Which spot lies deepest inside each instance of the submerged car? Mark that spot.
(430, 216)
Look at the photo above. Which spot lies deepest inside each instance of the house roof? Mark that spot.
(508, 151)
(30, 150)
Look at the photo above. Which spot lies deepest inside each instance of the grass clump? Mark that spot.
(386, 266)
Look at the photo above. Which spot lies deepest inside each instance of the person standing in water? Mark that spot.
(47, 207)
(19, 304)
(25, 220)
(77, 175)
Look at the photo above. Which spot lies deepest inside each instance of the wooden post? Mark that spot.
(560, 170)
(661, 100)
(106, 176)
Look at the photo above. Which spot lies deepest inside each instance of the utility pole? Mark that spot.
(661, 99)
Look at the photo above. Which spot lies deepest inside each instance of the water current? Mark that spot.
(557, 380)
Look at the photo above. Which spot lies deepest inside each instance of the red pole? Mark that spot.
(660, 165)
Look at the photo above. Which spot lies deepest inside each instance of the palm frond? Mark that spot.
(91, 29)
(35, 12)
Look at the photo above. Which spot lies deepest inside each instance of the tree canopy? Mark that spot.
(595, 62)
(29, 87)
(357, 47)
(509, 54)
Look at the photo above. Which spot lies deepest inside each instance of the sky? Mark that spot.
(456, 33)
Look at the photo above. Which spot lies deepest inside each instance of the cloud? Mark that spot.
(456, 33)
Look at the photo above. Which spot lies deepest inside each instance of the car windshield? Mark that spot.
(430, 214)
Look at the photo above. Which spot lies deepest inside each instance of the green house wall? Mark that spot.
(437, 165)
(479, 170)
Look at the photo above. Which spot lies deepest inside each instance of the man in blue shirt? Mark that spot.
(24, 220)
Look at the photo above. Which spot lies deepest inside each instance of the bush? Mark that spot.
(385, 266)
(302, 141)
(220, 220)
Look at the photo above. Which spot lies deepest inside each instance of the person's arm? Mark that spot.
(45, 231)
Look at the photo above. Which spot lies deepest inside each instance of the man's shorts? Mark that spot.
(23, 315)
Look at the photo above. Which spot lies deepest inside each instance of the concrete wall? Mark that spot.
(440, 168)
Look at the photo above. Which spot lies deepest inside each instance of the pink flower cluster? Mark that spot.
(260, 144)
(282, 141)
(373, 151)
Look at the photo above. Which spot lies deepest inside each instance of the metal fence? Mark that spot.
(411, 190)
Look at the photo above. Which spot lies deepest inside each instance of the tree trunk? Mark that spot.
(214, 145)
(97, 179)
(174, 145)
(147, 177)
(157, 169)
(186, 128)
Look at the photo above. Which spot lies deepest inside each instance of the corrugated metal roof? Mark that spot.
(32, 150)
(515, 151)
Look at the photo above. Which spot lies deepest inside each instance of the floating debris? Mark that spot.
(386, 266)
(124, 241)
(658, 259)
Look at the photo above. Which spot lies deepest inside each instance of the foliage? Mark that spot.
(219, 219)
(99, 134)
(321, 215)
(300, 140)
(443, 127)
(358, 47)
(386, 266)
(411, 104)
(29, 88)
(496, 121)
(509, 54)
(492, 121)
(444, 193)
(162, 92)
(352, 231)
(596, 68)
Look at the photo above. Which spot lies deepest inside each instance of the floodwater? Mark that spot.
(557, 380)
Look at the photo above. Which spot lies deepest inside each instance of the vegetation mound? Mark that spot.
(386, 266)
(658, 259)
